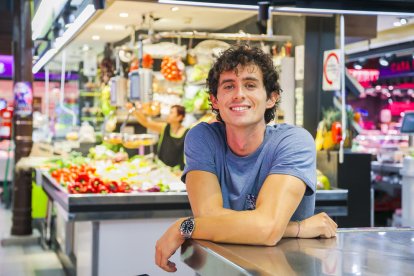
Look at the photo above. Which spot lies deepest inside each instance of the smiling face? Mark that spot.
(241, 97)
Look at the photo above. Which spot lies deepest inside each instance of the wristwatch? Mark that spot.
(187, 228)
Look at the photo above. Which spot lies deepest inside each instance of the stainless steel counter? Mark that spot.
(365, 251)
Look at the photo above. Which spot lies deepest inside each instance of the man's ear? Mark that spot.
(272, 100)
(213, 101)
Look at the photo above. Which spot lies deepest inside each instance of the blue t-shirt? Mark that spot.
(286, 149)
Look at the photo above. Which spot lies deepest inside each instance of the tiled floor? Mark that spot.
(22, 260)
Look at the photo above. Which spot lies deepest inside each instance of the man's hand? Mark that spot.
(167, 245)
(319, 225)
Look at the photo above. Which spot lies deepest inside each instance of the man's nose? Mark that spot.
(239, 93)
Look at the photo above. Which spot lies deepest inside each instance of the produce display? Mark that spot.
(172, 69)
(104, 175)
(322, 182)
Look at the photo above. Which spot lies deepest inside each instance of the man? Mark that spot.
(247, 182)
(172, 134)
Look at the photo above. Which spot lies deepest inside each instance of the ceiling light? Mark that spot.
(123, 14)
(207, 4)
(96, 37)
(44, 12)
(85, 48)
(400, 21)
(45, 59)
(357, 65)
(174, 9)
(80, 21)
(403, 21)
(109, 27)
(383, 61)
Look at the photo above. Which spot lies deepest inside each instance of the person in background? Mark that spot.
(247, 182)
(170, 148)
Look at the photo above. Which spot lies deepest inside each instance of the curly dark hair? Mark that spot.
(245, 55)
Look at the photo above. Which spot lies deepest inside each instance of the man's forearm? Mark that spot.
(291, 230)
(240, 227)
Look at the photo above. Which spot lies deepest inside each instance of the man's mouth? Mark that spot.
(239, 108)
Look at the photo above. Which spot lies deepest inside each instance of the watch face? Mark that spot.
(187, 227)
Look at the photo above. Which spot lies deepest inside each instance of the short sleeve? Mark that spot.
(295, 155)
(199, 150)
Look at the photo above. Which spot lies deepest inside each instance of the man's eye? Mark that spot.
(251, 85)
(227, 87)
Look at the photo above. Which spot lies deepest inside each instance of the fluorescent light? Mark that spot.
(43, 15)
(43, 60)
(109, 27)
(333, 11)
(174, 9)
(211, 5)
(123, 14)
(96, 37)
(76, 25)
(85, 48)
(80, 20)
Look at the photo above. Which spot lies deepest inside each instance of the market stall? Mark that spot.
(98, 234)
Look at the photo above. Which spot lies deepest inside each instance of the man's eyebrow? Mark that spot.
(250, 79)
(226, 81)
(244, 79)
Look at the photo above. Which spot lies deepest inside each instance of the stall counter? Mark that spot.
(354, 251)
(115, 234)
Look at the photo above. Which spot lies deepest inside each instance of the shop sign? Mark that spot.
(398, 67)
(365, 76)
(6, 71)
(331, 75)
(23, 98)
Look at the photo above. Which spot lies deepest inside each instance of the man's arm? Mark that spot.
(206, 199)
(278, 199)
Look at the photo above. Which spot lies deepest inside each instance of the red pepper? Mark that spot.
(112, 186)
(95, 183)
(124, 188)
(74, 188)
(336, 130)
(82, 177)
(102, 189)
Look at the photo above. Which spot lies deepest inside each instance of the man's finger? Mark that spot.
(164, 264)
(158, 257)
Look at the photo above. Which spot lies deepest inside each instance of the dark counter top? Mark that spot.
(365, 251)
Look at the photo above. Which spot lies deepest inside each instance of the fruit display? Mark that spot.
(322, 182)
(81, 175)
(147, 61)
(172, 68)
